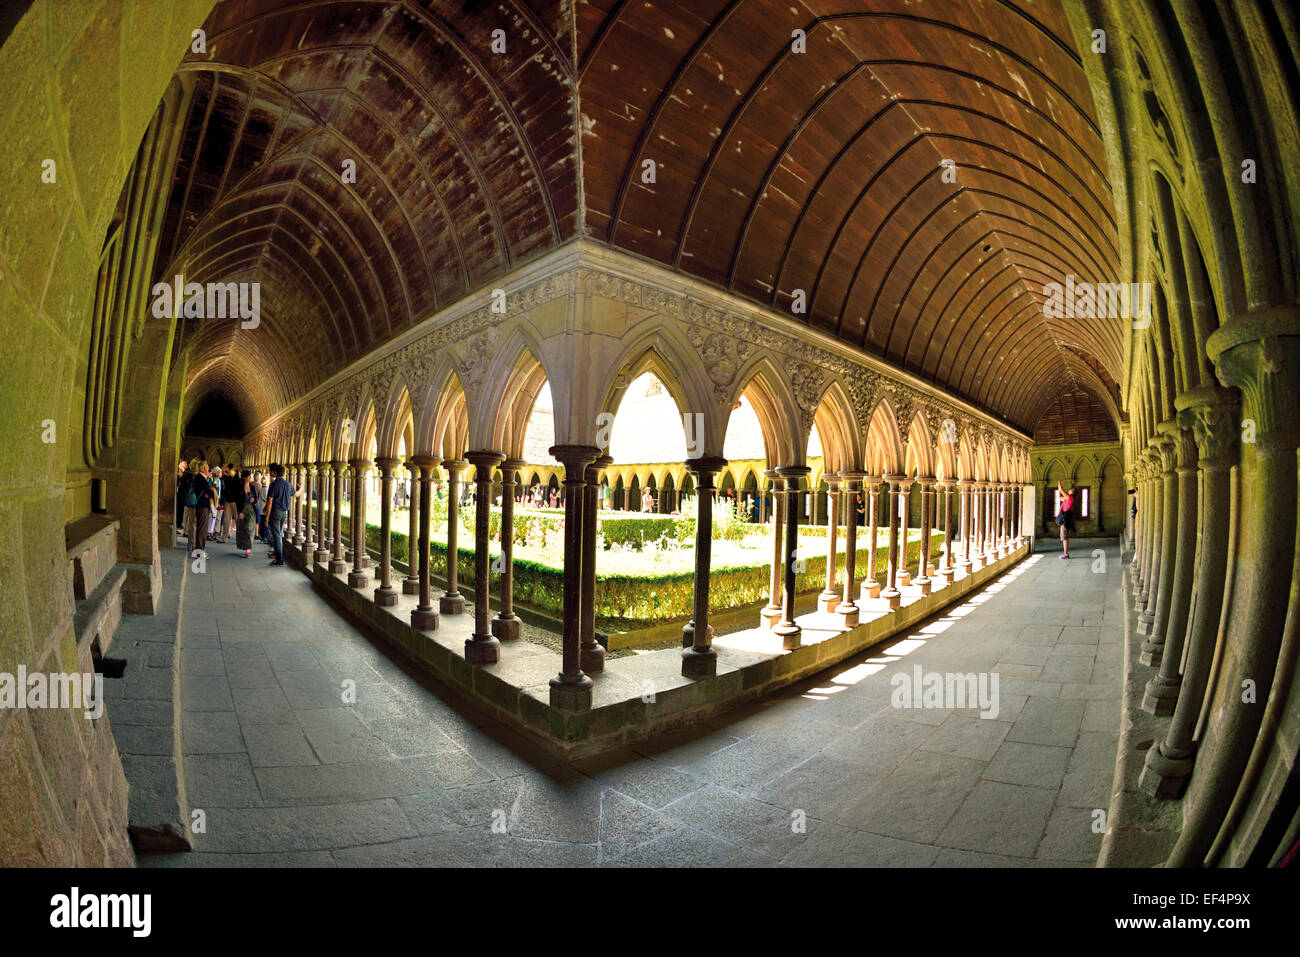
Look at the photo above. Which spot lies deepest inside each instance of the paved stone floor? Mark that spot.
(829, 773)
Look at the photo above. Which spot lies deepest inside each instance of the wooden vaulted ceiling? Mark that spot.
(775, 171)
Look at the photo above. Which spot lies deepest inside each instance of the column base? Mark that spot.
(410, 586)
(1164, 777)
(347, 555)
(827, 600)
(923, 584)
(365, 561)
(849, 612)
(297, 541)
(894, 598)
(482, 650)
(424, 619)
(358, 579)
(572, 695)
(321, 557)
(769, 616)
(507, 629)
(592, 660)
(791, 635)
(904, 578)
(870, 589)
(1145, 622)
(338, 566)
(1152, 653)
(964, 567)
(385, 597)
(699, 664)
(947, 575)
(308, 547)
(452, 604)
(1161, 695)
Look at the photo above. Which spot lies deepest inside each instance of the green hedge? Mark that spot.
(624, 601)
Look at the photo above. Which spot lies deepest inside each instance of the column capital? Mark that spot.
(869, 479)
(593, 468)
(852, 475)
(454, 466)
(926, 481)
(1260, 353)
(512, 464)
(425, 463)
(707, 464)
(1212, 415)
(793, 472)
(832, 479)
(895, 481)
(386, 463)
(360, 465)
(485, 460)
(574, 458)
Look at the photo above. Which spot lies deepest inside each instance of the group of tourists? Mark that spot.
(210, 502)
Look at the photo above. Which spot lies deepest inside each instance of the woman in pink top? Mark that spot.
(1065, 516)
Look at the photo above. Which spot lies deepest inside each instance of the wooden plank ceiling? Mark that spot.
(775, 171)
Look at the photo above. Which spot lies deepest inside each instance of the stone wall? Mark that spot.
(71, 101)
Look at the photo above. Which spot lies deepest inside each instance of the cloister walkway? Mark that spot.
(827, 773)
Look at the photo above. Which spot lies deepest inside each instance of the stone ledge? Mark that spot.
(100, 613)
(92, 550)
(638, 697)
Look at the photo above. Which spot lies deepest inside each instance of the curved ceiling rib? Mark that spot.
(820, 171)
(776, 171)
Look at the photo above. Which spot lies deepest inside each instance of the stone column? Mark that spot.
(505, 626)
(1260, 353)
(964, 505)
(309, 531)
(922, 581)
(338, 565)
(298, 522)
(871, 585)
(411, 583)
(591, 656)
(772, 613)
(990, 549)
(358, 578)
(1212, 414)
(1162, 552)
(949, 569)
(482, 647)
(322, 553)
(1178, 546)
(830, 596)
(891, 593)
(700, 660)
(902, 504)
(453, 602)
(571, 688)
(424, 617)
(790, 632)
(847, 609)
(386, 594)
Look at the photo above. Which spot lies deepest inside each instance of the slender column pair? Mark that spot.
(923, 580)
(700, 660)
(322, 554)
(847, 609)
(308, 543)
(591, 655)
(891, 593)
(357, 578)
(871, 584)
(299, 475)
(830, 596)
(338, 565)
(772, 613)
(902, 507)
(424, 617)
(453, 602)
(411, 583)
(385, 593)
(1161, 542)
(482, 647)
(506, 624)
(571, 689)
(789, 630)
